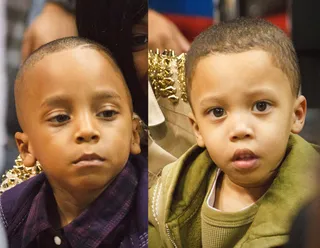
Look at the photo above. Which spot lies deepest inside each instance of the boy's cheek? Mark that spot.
(210, 141)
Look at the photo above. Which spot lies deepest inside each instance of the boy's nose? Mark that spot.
(241, 130)
(87, 132)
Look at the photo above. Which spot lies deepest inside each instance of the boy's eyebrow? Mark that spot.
(56, 101)
(211, 98)
(106, 95)
(207, 100)
(59, 100)
(261, 91)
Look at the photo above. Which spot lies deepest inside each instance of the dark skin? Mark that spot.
(73, 108)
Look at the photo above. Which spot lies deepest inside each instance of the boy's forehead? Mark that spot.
(79, 56)
(76, 64)
(240, 71)
(72, 70)
(248, 64)
(218, 61)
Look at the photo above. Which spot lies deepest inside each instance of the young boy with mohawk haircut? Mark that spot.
(250, 172)
(75, 111)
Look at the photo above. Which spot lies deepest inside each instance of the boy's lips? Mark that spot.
(89, 159)
(244, 159)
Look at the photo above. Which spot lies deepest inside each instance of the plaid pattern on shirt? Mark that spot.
(93, 227)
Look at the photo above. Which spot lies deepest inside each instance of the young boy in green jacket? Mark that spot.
(250, 173)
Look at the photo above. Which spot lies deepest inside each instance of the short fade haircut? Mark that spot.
(242, 35)
(60, 45)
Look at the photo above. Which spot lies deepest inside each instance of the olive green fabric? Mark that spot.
(224, 229)
(176, 199)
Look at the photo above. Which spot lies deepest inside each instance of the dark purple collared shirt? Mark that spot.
(105, 223)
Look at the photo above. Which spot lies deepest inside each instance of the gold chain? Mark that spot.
(18, 174)
(166, 75)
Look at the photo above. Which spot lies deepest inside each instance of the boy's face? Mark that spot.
(76, 119)
(243, 113)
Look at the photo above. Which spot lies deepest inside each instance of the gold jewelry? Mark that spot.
(18, 174)
(166, 75)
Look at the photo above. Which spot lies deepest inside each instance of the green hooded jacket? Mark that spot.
(176, 198)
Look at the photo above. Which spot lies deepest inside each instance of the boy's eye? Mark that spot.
(218, 112)
(261, 106)
(139, 41)
(108, 114)
(60, 118)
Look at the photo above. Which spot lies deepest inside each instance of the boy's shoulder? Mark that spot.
(16, 202)
(180, 183)
(300, 152)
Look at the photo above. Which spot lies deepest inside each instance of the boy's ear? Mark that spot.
(135, 140)
(25, 149)
(196, 130)
(299, 114)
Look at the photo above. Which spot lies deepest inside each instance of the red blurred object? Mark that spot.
(191, 26)
(280, 20)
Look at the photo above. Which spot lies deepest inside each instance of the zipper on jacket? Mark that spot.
(169, 236)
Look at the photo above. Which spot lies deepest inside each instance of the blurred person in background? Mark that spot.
(49, 20)
(3, 86)
(164, 34)
(122, 27)
(16, 12)
(192, 17)
(3, 81)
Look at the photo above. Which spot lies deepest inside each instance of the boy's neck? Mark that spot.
(71, 204)
(231, 197)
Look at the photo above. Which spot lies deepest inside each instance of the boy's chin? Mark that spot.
(87, 184)
(252, 181)
(93, 183)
